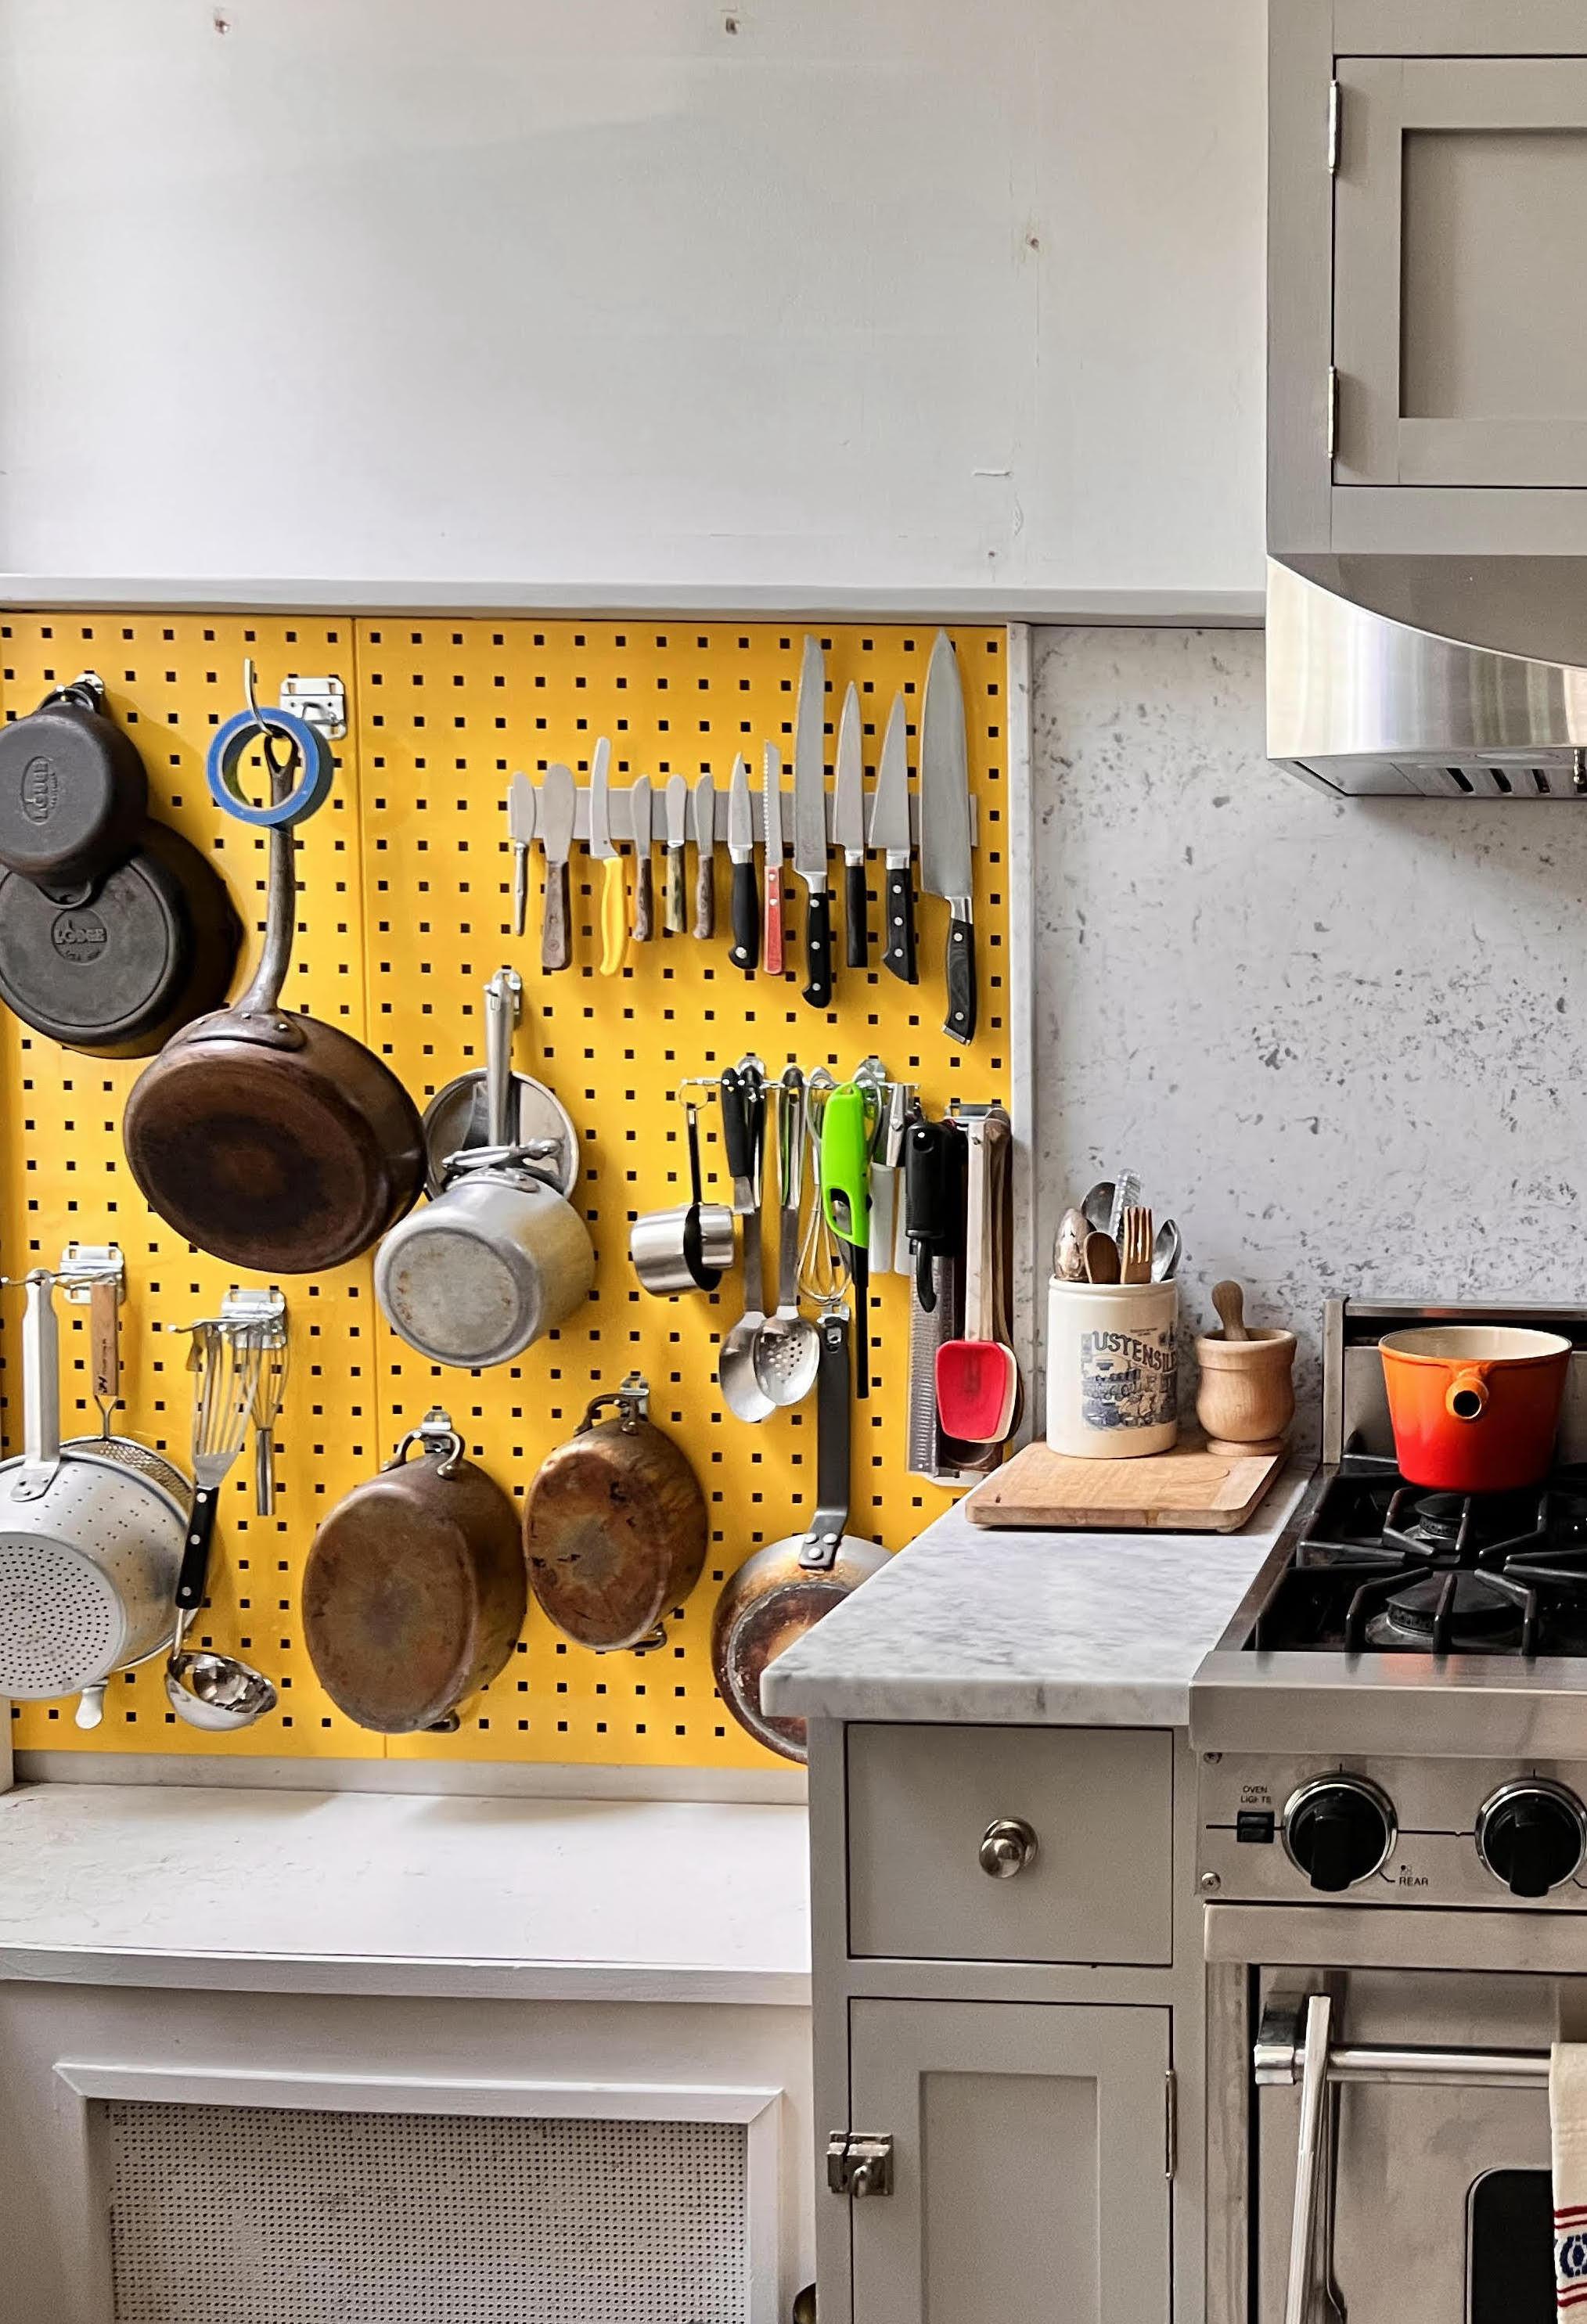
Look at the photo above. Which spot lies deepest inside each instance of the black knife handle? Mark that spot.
(858, 955)
(960, 1022)
(745, 952)
(900, 955)
(193, 1579)
(818, 949)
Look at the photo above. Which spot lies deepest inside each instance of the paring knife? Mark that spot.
(848, 828)
(644, 893)
(745, 950)
(705, 802)
(945, 828)
(889, 830)
(772, 807)
(809, 823)
(558, 802)
(521, 832)
(674, 916)
(613, 880)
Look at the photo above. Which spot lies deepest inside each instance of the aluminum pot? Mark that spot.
(1475, 1406)
(500, 1257)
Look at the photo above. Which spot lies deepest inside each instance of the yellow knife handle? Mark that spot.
(614, 914)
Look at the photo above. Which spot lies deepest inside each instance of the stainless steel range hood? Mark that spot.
(1430, 677)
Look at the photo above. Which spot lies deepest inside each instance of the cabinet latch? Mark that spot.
(859, 2163)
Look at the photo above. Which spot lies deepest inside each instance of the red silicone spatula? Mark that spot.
(977, 1379)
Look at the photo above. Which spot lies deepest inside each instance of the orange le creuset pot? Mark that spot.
(1475, 1406)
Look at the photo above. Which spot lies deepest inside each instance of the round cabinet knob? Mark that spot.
(1007, 1847)
(1339, 1830)
(1532, 1836)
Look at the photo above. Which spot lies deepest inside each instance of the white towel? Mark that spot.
(1567, 2108)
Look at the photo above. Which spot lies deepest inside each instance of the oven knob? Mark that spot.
(1532, 1836)
(1338, 1831)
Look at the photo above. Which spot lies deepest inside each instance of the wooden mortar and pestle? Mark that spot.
(1246, 1399)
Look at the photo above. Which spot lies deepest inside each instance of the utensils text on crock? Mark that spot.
(772, 951)
(788, 1347)
(1069, 1248)
(705, 810)
(1166, 1250)
(1135, 1246)
(1229, 1300)
(674, 913)
(520, 809)
(558, 803)
(613, 898)
(1101, 1258)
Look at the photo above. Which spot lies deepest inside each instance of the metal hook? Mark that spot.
(248, 693)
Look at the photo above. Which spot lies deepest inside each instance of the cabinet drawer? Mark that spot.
(1098, 1799)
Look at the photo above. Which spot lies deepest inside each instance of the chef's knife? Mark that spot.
(558, 802)
(521, 832)
(809, 823)
(705, 802)
(613, 882)
(772, 807)
(848, 830)
(945, 828)
(644, 893)
(674, 917)
(890, 830)
(745, 950)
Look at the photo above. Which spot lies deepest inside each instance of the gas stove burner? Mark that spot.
(1463, 1528)
(1461, 1612)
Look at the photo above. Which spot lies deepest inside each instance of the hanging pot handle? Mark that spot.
(633, 1398)
(503, 1005)
(41, 1389)
(1466, 1397)
(436, 1433)
(818, 1552)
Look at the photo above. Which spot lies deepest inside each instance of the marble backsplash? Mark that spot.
(1344, 1044)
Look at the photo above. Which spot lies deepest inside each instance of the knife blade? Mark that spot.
(745, 950)
(558, 802)
(704, 806)
(521, 832)
(614, 879)
(809, 823)
(771, 811)
(674, 917)
(644, 893)
(945, 828)
(889, 830)
(848, 827)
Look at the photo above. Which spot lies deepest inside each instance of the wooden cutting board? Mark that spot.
(1186, 1490)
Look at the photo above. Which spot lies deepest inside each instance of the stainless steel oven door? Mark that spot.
(1401, 2146)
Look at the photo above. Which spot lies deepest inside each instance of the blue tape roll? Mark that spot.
(226, 756)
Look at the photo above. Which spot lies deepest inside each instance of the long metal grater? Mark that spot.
(928, 1332)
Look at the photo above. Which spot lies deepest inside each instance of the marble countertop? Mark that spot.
(1058, 1629)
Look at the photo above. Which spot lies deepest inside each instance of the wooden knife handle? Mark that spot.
(706, 893)
(745, 952)
(674, 911)
(644, 899)
(900, 952)
(858, 953)
(960, 1022)
(771, 959)
(556, 948)
(105, 1344)
(818, 949)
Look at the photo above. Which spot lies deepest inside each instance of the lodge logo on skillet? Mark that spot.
(40, 788)
(79, 936)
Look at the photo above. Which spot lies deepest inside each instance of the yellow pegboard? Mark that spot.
(404, 913)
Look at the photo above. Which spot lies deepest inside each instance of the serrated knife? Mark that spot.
(890, 832)
(848, 828)
(771, 811)
(640, 805)
(704, 806)
(558, 802)
(809, 823)
(745, 907)
(674, 914)
(614, 879)
(945, 829)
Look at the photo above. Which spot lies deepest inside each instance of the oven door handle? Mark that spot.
(1283, 2051)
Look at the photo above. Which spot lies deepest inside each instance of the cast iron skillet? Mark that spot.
(73, 792)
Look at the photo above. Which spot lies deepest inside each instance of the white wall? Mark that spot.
(911, 303)
(1344, 1043)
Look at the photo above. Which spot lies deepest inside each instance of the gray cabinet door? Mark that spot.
(1029, 2163)
(1460, 213)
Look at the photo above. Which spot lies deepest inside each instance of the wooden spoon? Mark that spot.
(1229, 1300)
(1101, 1258)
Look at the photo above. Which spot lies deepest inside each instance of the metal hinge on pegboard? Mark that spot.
(319, 702)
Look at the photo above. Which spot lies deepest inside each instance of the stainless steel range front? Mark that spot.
(1392, 1737)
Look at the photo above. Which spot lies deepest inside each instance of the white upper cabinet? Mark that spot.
(668, 302)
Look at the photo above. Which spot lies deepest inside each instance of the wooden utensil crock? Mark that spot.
(1246, 1397)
